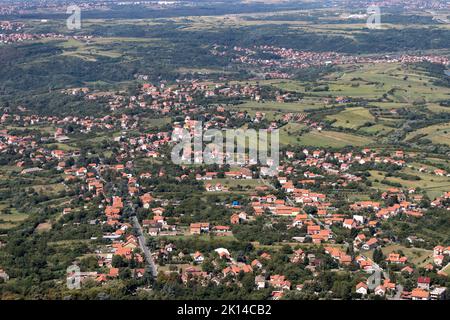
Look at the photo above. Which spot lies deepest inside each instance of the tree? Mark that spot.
(378, 256)
(118, 262)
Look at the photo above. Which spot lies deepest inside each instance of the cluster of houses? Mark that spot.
(277, 282)
(287, 58)
(423, 291)
(9, 38)
(11, 26)
(299, 199)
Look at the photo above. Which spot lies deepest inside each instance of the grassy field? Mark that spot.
(291, 135)
(333, 139)
(433, 185)
(437, 133)
(299, 106)
(417, 256)
(352, 118)
(8, 221)
(92, 49)
(434, 107)
(378, 129)
(404, 84)
(446, 269)
(49, 188)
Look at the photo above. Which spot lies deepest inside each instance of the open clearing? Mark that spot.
(333, 139)
(351, 118)
(419, 257)
(439, 134)
(433, 185)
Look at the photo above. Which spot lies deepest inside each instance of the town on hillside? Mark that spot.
(93, 205)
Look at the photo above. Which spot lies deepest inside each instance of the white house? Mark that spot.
(362, 288)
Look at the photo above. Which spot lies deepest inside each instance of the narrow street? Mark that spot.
(148, 255)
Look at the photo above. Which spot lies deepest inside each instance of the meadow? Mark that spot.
(439, 134)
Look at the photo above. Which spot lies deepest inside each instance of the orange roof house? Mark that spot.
(420, 294)
(396, 258)
(114, 272)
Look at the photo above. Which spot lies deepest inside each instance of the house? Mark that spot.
(58, 154)
(349, 224)
(200, 227)
(117, 203)
(198, 257)
(235, 219)
(243, 216)
(139, 273)
(279, 282)
(438, 260)
(380, 291)
(146, 199)
(266, 256)
(315, 229)
(439, 293)
(395, 258)
(286, 211)
(370, 244)
(158, 211)
(221, 230)
(362, 288)
(299, 220)
(256, 264)
(298, 256)
(113, 272)
(3, 275)
(193, 273)
(260, 282)
(388, 285)
(360, 238)
(420, 294)
(277, 295)
(235, 270)
(424, 283)
(407, 269)
(223, 253)
(365, 205)
(170, 247)
(438, 250)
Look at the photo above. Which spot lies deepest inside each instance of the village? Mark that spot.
(320, 224)
(224, 150)
(289, 59)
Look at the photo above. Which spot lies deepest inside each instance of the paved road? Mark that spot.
(148, 255)
(398, 294)
(398, 289)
